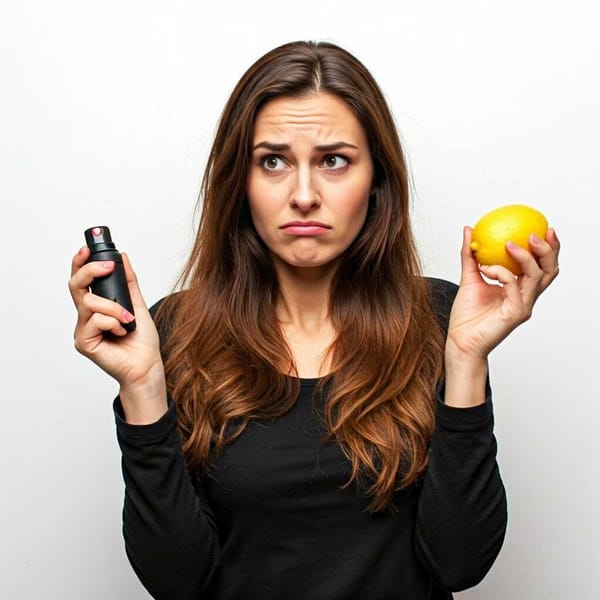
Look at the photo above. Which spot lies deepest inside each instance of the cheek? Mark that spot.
(352, 199)
(359, 217)
(353, 205)
(262, 207)
(254, 195)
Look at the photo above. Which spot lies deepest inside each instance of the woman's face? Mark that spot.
(309, 181)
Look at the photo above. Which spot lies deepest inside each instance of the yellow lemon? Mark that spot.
(514, 223)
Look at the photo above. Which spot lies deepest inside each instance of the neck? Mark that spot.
(303, 313)
(304, 297)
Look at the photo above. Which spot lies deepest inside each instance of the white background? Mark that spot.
(107, 112)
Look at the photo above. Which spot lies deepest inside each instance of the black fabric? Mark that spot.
(272, 520)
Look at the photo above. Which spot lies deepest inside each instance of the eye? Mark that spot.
(273, 163)
(335, 162)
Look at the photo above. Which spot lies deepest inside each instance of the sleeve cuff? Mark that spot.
(464, 419)
(150, 433)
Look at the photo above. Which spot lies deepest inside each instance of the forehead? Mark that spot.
(322, 115)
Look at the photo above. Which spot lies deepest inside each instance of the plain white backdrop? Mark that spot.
(107, 114)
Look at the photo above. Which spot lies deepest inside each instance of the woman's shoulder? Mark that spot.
(153, 309)
(442, 290)
(162, 312)
(442, 294)
(164, 302)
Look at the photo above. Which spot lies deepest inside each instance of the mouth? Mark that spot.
(305, 228)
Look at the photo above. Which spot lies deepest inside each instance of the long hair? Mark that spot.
(226, 358)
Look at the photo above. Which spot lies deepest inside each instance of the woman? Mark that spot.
(312, 417)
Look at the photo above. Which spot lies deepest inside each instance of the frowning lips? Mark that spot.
(305, 228)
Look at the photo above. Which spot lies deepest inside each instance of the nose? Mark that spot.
(305, 195)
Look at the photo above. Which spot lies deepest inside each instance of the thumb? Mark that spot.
(469, 267)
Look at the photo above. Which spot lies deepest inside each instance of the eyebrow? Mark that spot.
(320, 148)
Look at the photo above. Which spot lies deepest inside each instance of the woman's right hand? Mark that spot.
(133, 359)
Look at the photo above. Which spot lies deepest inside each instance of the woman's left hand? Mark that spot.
(483, 314)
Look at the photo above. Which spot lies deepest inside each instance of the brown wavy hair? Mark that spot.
(226, 358)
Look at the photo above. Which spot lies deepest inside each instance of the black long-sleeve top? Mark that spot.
(271, 519)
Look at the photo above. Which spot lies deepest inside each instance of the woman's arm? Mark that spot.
(169, 530)
(484, 314)
(462, 510)
(133, 359)
(170, 534)
(462, 517)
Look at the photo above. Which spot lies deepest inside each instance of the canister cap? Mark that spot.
(98, 238)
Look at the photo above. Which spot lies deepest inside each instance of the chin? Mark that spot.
(308, 262)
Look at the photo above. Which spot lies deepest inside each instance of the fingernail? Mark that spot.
(534, 239)
(127, 316)
(511, 245)
(81, 250)
(107, 264)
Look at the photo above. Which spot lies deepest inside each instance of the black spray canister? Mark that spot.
(112, 286)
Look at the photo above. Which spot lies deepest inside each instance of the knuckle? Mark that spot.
(73, 285)
(97, 320)
(87, 300)
(102, 322)
(78, 344)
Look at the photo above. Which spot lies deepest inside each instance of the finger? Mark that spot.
(134, 289)
(526, 260)
(530, 280)
(79, 259)
(552, 239)
(89, 335)
(469, 267)
(91, 303)
(547, 257)
(83, 277)
(519, 310)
